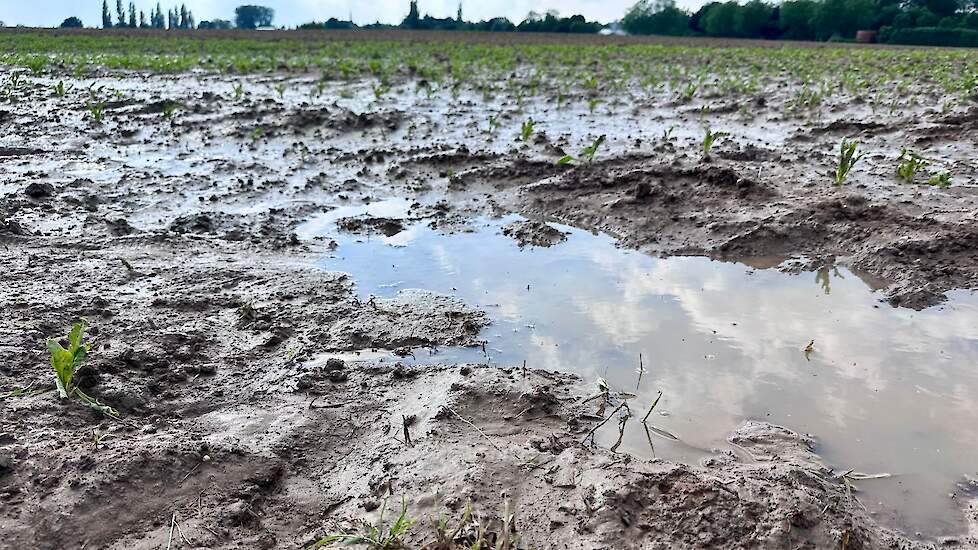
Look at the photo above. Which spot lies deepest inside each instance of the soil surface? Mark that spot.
(248, 420)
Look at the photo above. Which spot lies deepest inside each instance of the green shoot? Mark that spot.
(238, 91)
(847, 159)
(256, 134)
(493, 124)
(587, 154)
(942, 179)
(910, 164)
(377, 536)
(169, 109)
(60, 90)
(66, 362)
(710, 139)
(280, 88)
(526, 131)
(99, 437)
(97, 110)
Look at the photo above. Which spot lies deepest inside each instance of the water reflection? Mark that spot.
(882, 389)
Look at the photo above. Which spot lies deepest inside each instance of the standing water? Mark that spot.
(882, 389)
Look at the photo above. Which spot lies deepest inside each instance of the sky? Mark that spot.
(49, 13)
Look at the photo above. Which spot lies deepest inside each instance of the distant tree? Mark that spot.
(696, 20)
(215, 24)
(796, 19)
(458, 16)
(106, 15)
(252, 17)
(656, 17)
(940, 8)
(843, 18)
(132, 15)
(159, 22)
(413, 18)
(721, 20)
(70, 23)
(184, 21)
(331, 23)
(120, 13)
(752, 19)
(142, 20)
(171, 19)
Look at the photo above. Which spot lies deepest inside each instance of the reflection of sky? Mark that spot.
(886, 390)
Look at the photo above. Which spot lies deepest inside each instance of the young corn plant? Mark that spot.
(942, 179)
(526, 131)
(587, 154)
(238, 91)
(66, 362)
(848, 158)
(493, 124)
(710, 139)
(97, 110)
(377, 536)
(170, 109)
(60, 90)
(909, 164)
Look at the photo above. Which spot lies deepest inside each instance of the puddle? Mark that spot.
(885, 390)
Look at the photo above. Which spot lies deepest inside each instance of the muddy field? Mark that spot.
(266, 401)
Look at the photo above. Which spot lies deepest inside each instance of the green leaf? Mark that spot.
(567, 159)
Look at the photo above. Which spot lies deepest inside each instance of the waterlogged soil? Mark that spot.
(232, 264)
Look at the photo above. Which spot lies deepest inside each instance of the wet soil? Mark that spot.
(179, 241)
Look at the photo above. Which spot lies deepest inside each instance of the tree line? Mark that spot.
(940, 22)
(246, 17)
(925, 22)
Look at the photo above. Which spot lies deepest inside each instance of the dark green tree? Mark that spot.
(120, 13)
(71, 23)
(142, 20)
(752, 19)
(940, 8)
(656, 17)
(106, 15)
(795, 19)
(252, 17)
(721, 20)
(413, 18)
(132, 15)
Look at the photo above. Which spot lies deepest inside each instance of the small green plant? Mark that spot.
(710, 139)
(256, 134)
(377, 536)
(493, 124)
(238, 91)
(97, 110)
(848, 158)
(60, 90)
(527, 130)
(170, 109)
(473, 532)
(280, 88)
(99, 437)
(909, 164)
(667, 136)
(587, 154)
(66, 362)
(941, 179)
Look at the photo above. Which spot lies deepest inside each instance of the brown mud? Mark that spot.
(176, 240)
